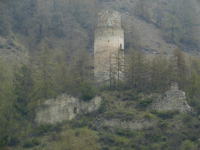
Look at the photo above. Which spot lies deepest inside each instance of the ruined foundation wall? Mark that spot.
(64, 107)
(173, 100)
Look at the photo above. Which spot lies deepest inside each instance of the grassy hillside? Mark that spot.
(172, 130)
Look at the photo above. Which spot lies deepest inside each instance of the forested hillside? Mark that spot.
(46, 48)
(69, 25)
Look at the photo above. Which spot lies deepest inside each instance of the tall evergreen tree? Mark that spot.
(81, 70)
(171, 29)
(7, 112)
(44, 86)
(23, 87)
(136, 70)
(61, 73)
(159, 74)
(180, 66)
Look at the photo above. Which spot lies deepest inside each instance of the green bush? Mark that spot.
(102, 107)
(57, 128)
(124, 132)
(147, 116)
(31, 143)
(188, 145)
(14, 140)
(154, 111)
(82, 122)
(127, 92)
(167, 114)
(146, 102)
(4, 140)
(105, 127)
(44, 128)
(165, 53)
(89, 92)
(163, 124)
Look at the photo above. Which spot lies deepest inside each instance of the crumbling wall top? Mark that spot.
(174, 86)
(109, 18)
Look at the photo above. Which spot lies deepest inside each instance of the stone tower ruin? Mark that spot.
(108, 38)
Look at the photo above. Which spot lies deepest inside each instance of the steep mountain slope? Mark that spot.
(71, 28)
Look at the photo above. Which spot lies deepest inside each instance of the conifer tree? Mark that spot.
(23, 87)
(158, 15)
(141, 9)
(61, 73)
(136, 70)
(194, 65)
(44, 87)
(194, 82)
(180, 67)
(7, 113)
(159, 74)
(81, 70)
(171, 29)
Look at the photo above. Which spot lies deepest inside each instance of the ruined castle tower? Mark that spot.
(108, 37)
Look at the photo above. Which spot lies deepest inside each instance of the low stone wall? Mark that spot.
(64, 107)
(138, 124)
(173, 100)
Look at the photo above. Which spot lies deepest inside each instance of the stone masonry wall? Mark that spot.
(108, 38)
(64, 107)
(138, 124)
(105, 16)
(173, 100)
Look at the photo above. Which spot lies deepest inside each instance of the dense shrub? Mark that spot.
(43, 128)
(89, 92)
(146, 102)
(31, 143)
(102, 107)
(57, 127)
(82, 122)
(167, 114)
(14, 141)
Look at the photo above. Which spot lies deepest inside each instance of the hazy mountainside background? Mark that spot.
(153, 26)
(53, 39)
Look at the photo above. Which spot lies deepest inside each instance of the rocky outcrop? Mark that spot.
(173, 100)
(64, 107)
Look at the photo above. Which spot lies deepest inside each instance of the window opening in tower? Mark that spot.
(110, 23)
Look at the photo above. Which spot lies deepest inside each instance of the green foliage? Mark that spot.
(188, 145)
(31, 143)
(147, 116)
(82, 122)
(167, 114)
(136, 71)
(146, 102)
(180, 23)
(141, 9)
(83, 138)
(124, 115)
(88, 92)
(22, 88)
(163, 124)
(102, 107)
(43, 128)
(123, 132)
